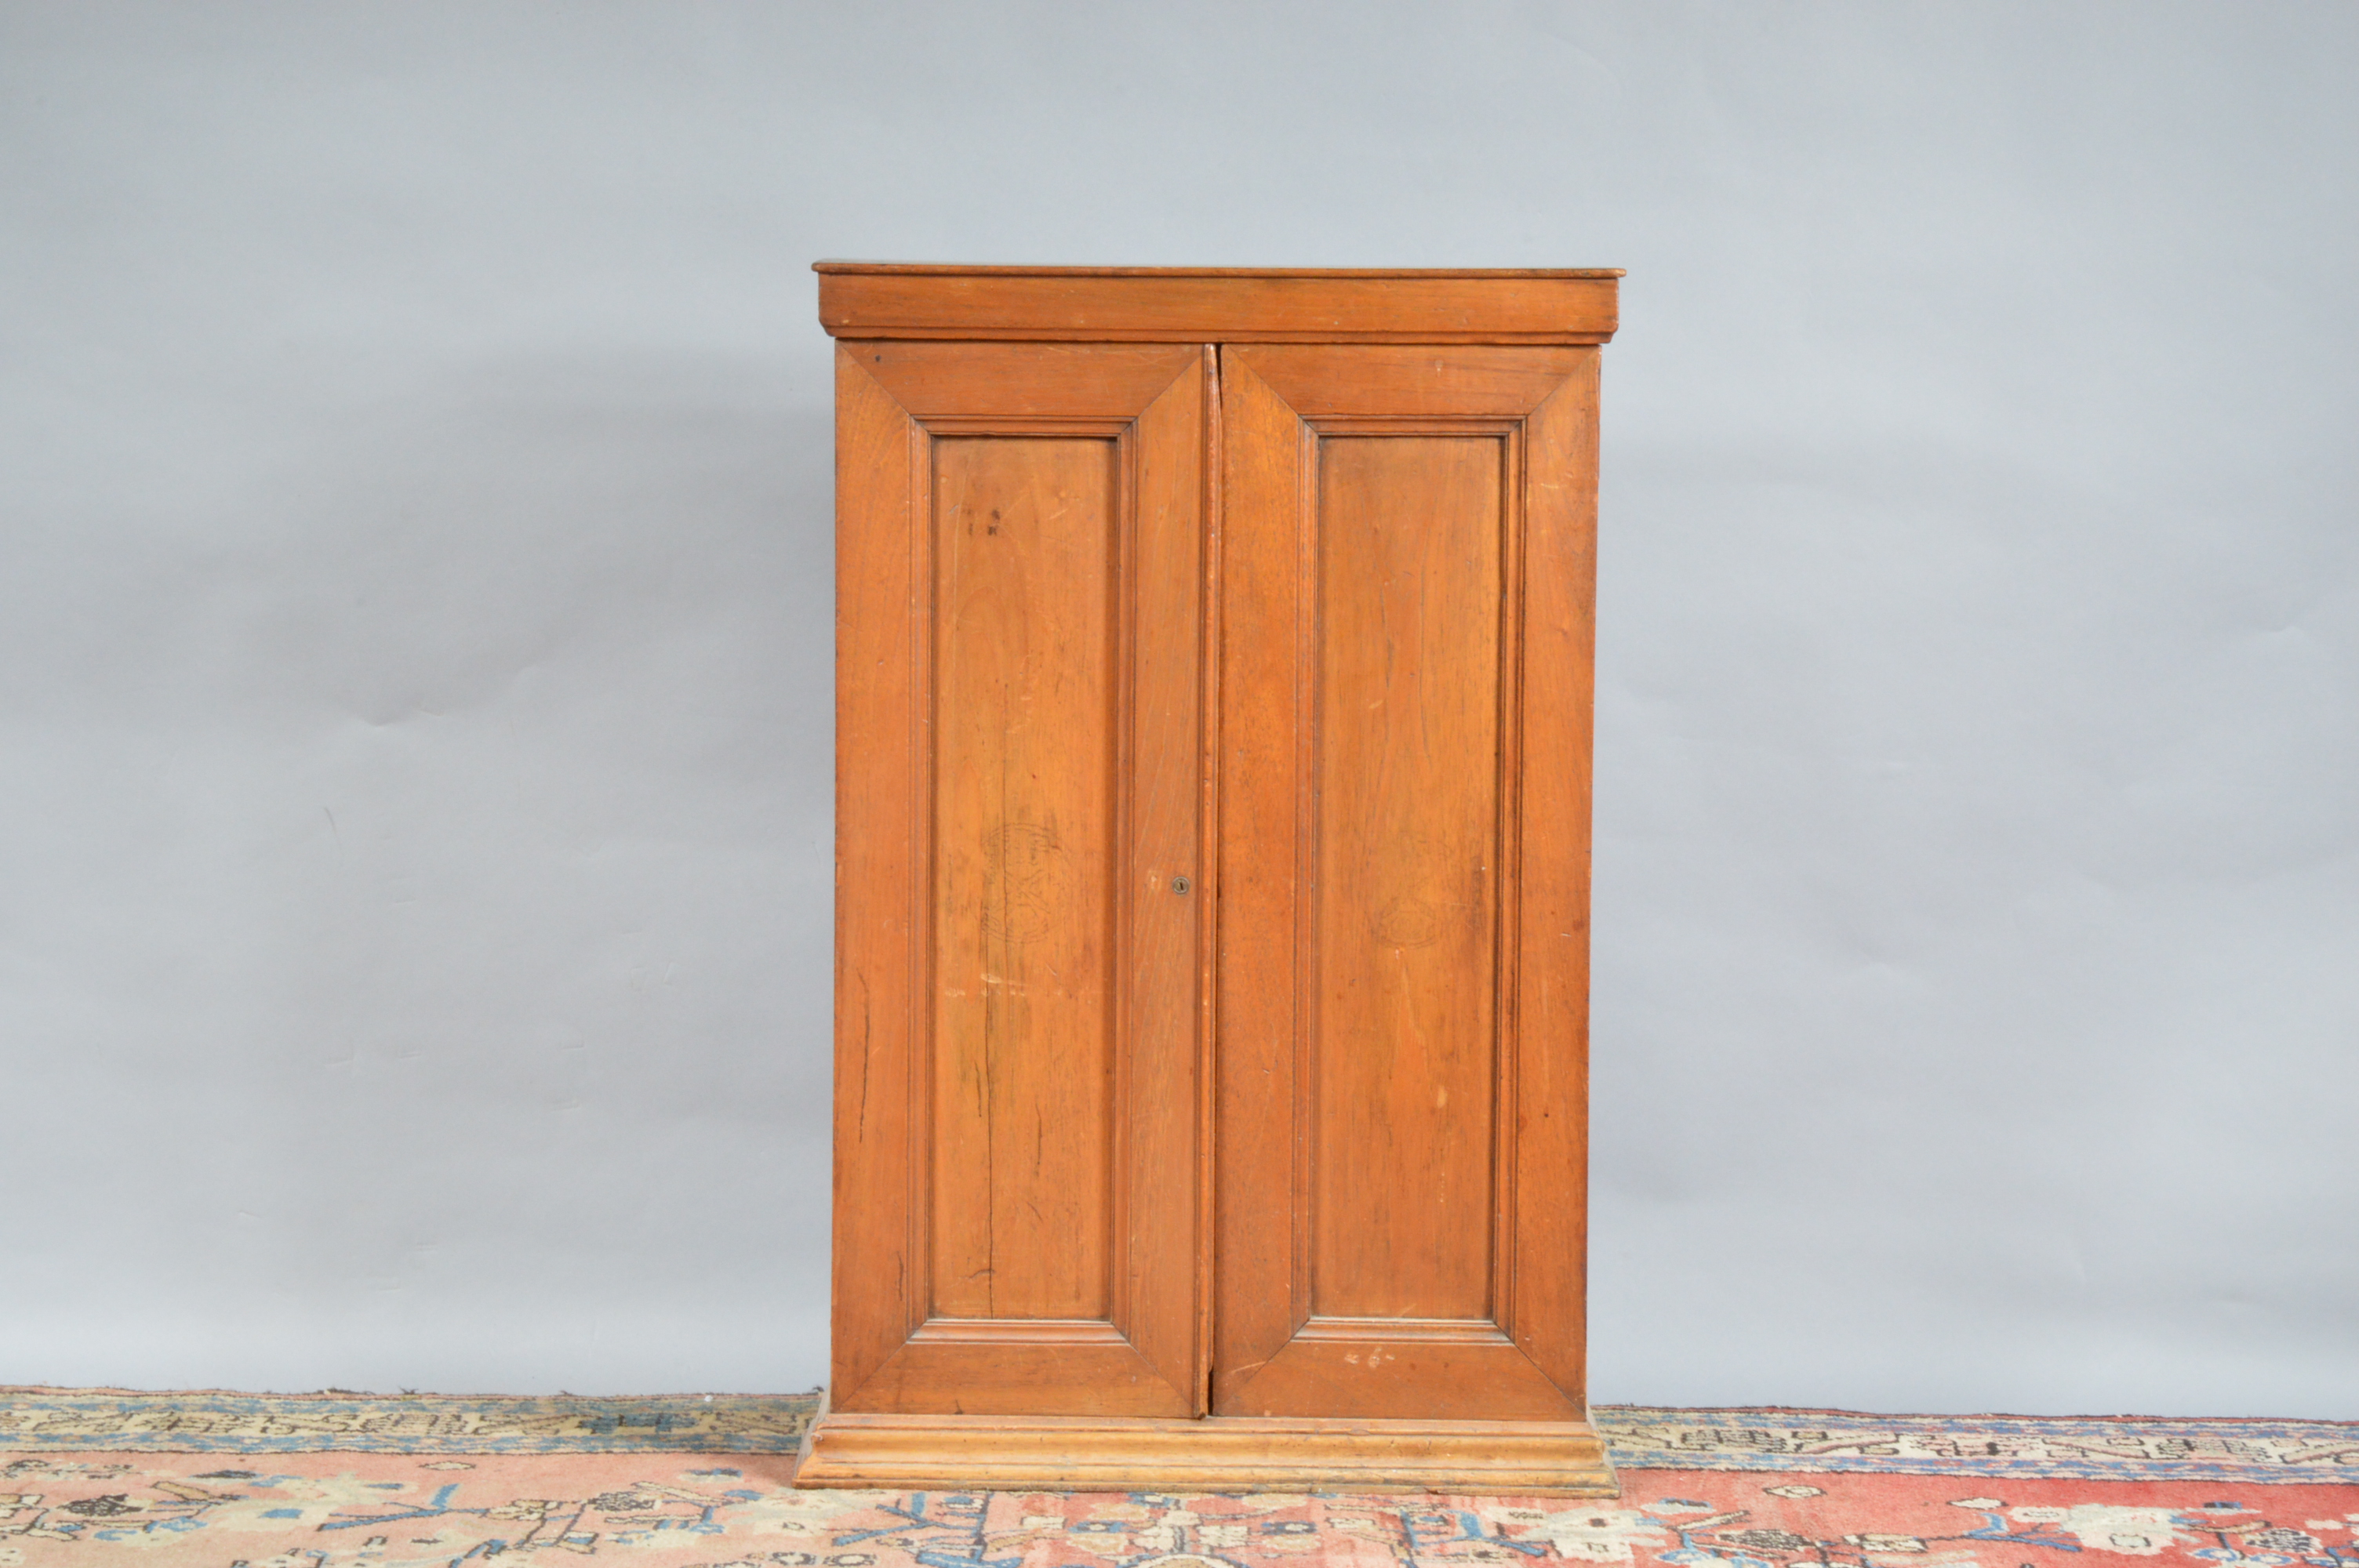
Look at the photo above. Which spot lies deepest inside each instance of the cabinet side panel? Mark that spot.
(1257, 1304)
(1405, 945)
(1548, 1315)
(1025, 737)
(877, 783)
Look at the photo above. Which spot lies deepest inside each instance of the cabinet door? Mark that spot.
(1018, 990)
(1406, 632)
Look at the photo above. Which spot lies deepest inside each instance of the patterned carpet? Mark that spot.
(357, 1481)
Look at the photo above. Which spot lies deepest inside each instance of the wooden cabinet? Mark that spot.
(1212, 877)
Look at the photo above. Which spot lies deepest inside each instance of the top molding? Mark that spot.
(1225, 305)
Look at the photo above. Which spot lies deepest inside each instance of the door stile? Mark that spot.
(878, 760)
(1161, 1254)
(1256, 994)
(1559, 659)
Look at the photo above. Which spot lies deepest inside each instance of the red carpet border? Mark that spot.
(357, 1481)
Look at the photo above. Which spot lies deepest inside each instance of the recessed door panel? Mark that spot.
(1025, 742)
(1405, 939)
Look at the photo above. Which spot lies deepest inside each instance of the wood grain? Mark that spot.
(1225, 1454)
(1164, 933)
(1213, 793)
(1261, 1161)
(1413, 384)
(1025, 715)
(1019, 381)
(1374, 1077)
(879, 451)
(1548, 1182)
(1017, 758)
(1403, 942)
(1381, 1373)
(1143, 305)
(1021, 1369)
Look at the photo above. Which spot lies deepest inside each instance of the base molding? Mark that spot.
(1217, 1454)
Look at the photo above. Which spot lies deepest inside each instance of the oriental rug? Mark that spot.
(357, 1481)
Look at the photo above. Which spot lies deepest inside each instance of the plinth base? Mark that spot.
(1218, 1453)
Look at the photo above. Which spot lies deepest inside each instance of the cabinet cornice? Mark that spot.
(1336, 305)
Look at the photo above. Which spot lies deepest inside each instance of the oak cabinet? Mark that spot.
(1213, 715)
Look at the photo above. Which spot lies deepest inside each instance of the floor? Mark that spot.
(358, 1481)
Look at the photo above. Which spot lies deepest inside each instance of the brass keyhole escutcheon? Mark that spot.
(1178, 884)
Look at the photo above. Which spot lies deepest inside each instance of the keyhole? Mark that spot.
(1178, 884)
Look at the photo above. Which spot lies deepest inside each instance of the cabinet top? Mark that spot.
(1238, 305)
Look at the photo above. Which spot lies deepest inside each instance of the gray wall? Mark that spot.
(415, 649)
